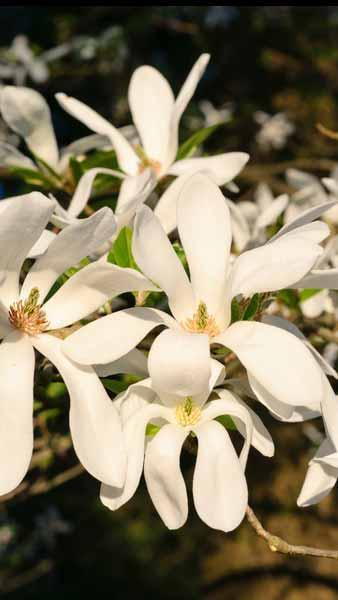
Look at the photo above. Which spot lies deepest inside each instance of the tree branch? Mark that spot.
(277, 544)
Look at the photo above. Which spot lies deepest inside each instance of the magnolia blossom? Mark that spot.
(201, 305)
(275, 130)
(27, 321)
(156, 115)
(219, 487)
(250, 219)
(27, 113)
(20, 61)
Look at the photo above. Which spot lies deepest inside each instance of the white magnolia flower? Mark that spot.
(202, 305)
(156, 115)
(27, 113)
(19, 62)
(219, 486)
(275, 130)
(322, 473)
(26, 320)
(250, 219)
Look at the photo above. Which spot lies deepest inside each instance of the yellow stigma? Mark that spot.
(187, 413)
(202, 322)
(27, 315)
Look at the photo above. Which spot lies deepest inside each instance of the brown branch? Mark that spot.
(277, 544)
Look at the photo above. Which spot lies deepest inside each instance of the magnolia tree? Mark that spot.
(167, 308)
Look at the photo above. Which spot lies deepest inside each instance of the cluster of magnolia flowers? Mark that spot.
(213, 307)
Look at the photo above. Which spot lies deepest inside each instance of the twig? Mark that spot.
(277, 544)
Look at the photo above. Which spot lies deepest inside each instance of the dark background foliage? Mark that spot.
(62, 542)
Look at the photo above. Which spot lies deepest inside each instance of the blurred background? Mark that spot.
(271, 79)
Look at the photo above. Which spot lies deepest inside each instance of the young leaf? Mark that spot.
(189, 147)
(227, 422)
(235, 311)
(306, 294)
(113, 385)
(121, 253)
(252, 308)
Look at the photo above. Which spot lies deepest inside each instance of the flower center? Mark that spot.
(146, 163)
(27, 315)
(202, 322)
(187, 413)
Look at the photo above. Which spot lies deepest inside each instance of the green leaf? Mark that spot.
(65, 276)
(121, 253)
(50, 413)
(235, 311)
(152, 429)
(55, 390)
(76, 168)
(101, 158)
(113, 385)
(31, 177)
(181, 254)
(189, 147)
(289, 297)
(252, 308)
(227, 422)
(306, 294)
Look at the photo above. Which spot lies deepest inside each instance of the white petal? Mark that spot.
(23, 219)
(292, 328)
(127, 158)
(89, 289)
(84, 188)
(163, 475)
(239, 226)
(263, 196)
(186, 92)
(273, 266)
(134, 434)
(111, 337)
(94, 422)
(221, 168)
(278, 360)
(319, 278)
(151, 102)
(219, 487)
(16, 409)
(313, 232)
(320, 477)
(272, 212)
(134, 362)
(228, 405)
(42, 244)
(179, 363)
(330, 412)
(69, 247)
(261, 438)
(155, 256)
(28, 114)
(303, 219)
(134, 189)
(205, 231)
(12, 157)
(281, 411)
